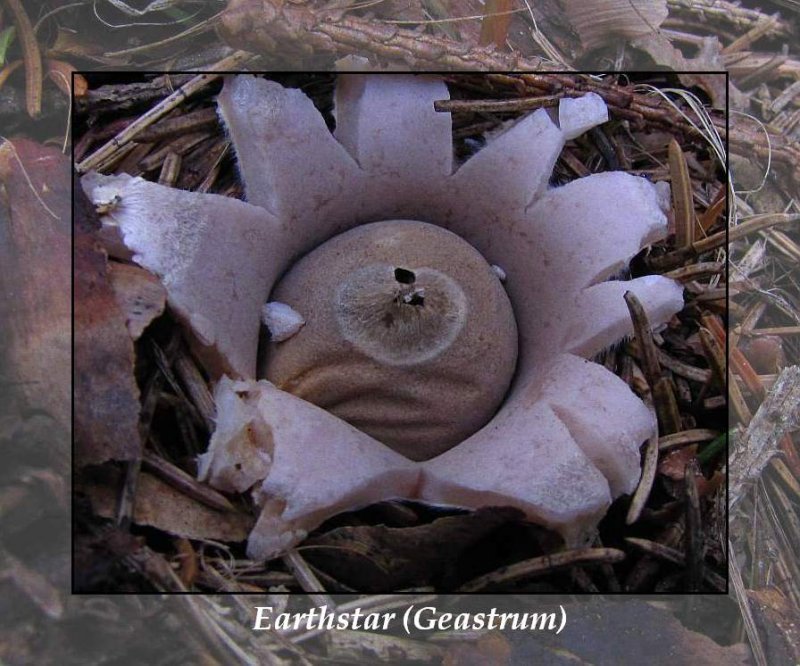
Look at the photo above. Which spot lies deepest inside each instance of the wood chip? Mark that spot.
(159, 505)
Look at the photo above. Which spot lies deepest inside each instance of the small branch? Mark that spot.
(272, 27)
(495, 106)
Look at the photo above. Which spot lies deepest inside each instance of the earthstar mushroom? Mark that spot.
(550, 432)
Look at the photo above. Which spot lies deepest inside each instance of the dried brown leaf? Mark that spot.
(673, 465)
(35, 304)
(139, 294)
(161, 506)
(106, 395)
(382, 558)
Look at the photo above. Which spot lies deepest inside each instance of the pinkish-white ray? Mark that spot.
(389, 125)
(602, 414)
(313, 465)
(490, 191)
(216, 256)
(589, 229)
(526, 458)
(290, 163)
(599, 315)
(572, 237)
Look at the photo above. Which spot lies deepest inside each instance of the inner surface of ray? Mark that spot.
(216, 275)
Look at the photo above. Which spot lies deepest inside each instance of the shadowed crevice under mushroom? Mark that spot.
(565, 440)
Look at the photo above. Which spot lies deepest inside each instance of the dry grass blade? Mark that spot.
(777, 330)
(127, 494)
(180, 146)
(32, 58)
(159, 111)
(682, 369)
(755, 33)
(710, 215)
(682, 202)
(163, 360)
(739, 362)
(543, 565)
(715, 357)
(717, 240)
(184, 124)
(170, 169)
(666, 404)
(195, 30)
(646, 482)
(743, 229)
(32, 583)
(188, 567)
(663, 394)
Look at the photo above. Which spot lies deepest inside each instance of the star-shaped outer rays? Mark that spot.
(566, 440)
